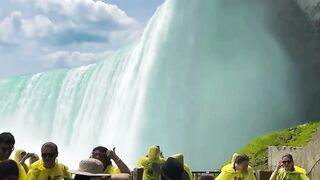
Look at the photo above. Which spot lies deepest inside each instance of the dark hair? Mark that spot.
(81, 177)
(240, 159)
(291, 159)
(50, 144)
(8, 168)
(101, 149)
(7, 138)
(206, 177)
(288, 156)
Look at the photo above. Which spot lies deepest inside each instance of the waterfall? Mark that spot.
(205, 77)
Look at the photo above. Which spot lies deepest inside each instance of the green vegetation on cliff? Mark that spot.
(297, 136)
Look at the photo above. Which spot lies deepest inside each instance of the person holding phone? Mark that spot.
(146, 162)
(287, 170)
(19, 158)
(105, 156)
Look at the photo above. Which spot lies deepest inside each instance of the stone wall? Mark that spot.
(275, 154)
(311, 156)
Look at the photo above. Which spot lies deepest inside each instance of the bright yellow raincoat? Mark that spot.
(146, 163)
(22, 172)
(229, 173)
(234, 156)
(298, 174)
(38, 172)
(180, 158)
(18, 157)
(111, 169)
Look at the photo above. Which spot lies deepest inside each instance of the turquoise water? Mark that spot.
(205, 77)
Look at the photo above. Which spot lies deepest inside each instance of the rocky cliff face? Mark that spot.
(310, 157)
(296, 27)
(312, 9)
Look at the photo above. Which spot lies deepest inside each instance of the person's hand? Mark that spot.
(24, 158)
(28, 155)
(112, 154)
(280, 164)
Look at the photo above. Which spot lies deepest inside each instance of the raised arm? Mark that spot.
(24, 158)
(121, 165)
(275, 172)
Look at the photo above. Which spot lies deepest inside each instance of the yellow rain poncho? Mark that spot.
(22, 172)
(229, 173)
(234, 156)
(18, 156)
(139, 163)
(180, 158)
(111, 169)
(298, 174)
(38, 172)
(146, 163)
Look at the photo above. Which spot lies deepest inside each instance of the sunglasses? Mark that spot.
(49, 155)
(286, 162)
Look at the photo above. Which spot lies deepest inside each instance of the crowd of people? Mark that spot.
(104, 163)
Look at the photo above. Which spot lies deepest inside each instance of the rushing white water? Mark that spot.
(205, 77)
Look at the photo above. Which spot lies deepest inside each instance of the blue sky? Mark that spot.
(141, 10)
(40, 35)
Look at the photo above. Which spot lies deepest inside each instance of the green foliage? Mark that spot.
(298, 136)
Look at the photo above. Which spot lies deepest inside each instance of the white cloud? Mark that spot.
(10, 27)
(68, 21)
(89, 11)
(14, 28)
(73, 32)
(39, 26)
(74, 59)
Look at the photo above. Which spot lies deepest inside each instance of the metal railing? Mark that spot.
(197, 174)
(260, 175)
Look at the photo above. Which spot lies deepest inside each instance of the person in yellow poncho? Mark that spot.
(238, 169)
(7, 142)
(48, 167)
(180, 158)
(287, 170)
(19, 158)
(105, 156)
(147, 161)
